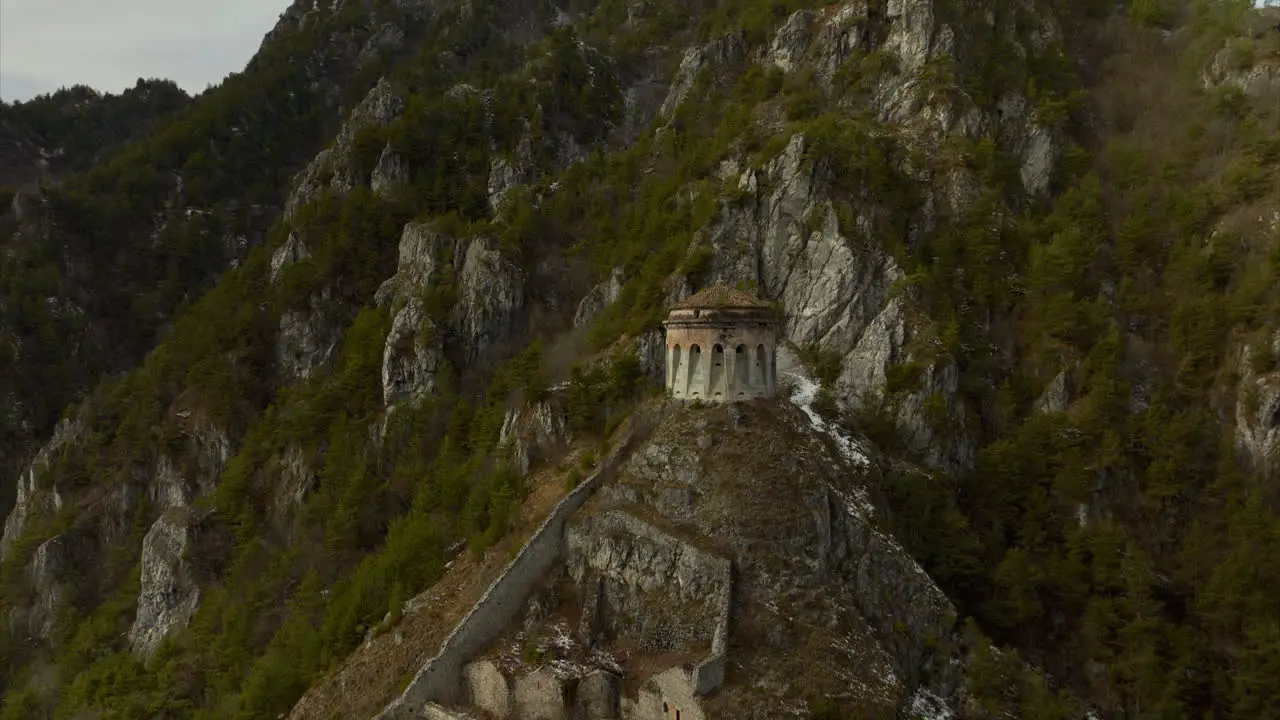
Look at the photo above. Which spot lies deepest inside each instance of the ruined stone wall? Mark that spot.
(440, 679)
(708, 674)
(681, 566)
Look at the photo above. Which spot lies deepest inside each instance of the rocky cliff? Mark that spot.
(366, 311)
(708, 546)
(147, 198)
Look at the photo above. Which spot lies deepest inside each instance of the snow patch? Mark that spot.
(804, 392)
(558, 651)
(856, 503)
(927, 706)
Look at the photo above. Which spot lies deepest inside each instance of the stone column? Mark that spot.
(709, 374)
(687, 380)
(670, 369)
(771, 357)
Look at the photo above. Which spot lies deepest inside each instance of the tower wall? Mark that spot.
(721, 356)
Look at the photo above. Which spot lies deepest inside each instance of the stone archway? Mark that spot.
(741, 371)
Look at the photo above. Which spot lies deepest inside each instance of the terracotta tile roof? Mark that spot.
(718, 296)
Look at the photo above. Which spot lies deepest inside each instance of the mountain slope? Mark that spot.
(95, 266)
(1028, 248)
(68, 131)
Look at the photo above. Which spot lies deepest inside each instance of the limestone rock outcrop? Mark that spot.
(389, 174)
(533, 432)
(412, 355)
(490, 293)
(664, 592)
(1257, 406)
(601, 296)
(506, 173)
(169, 594)
(1238, 65)
(308, 337)
(47, 573)
(722, 51)
(834, 282)
(334, 167)
(837, 293)
(35, 495)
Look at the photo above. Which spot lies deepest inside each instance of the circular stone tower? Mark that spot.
(721, 347)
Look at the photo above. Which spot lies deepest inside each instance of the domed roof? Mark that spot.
(721, 296)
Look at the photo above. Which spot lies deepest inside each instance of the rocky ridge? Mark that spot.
(782, 235)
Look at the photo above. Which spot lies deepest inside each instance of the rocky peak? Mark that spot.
(169, 593)
(489, 294)
(35, 493)
(334, 167)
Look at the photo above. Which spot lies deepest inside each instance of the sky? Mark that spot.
(109, 44)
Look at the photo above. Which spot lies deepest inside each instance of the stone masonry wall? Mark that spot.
(702, 361)
(708, 674)
(440, 679)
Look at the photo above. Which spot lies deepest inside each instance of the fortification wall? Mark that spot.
(440, 679)
(708, 674)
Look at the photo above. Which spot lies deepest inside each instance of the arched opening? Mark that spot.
(664, 707)
(741, 370)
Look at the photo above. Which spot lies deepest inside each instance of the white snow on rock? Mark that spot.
(927, 706)
(804, 392)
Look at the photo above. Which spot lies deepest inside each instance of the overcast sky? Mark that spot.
(109, 44)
